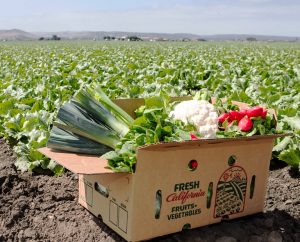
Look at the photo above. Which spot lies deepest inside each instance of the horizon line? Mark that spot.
(170, 33)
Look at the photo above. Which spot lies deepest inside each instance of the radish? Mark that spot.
(245, 124)
(193, 164)
(235, 115)
(243, 112)
(264, 114)
(223, 117)
(193, 137)
(255, 112)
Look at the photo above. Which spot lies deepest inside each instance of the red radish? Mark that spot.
(235, 115)
(245, 124)
(264, 114)
(243, 112)
(193, 137)
(223, 117)
(255, 112)
(193, 164)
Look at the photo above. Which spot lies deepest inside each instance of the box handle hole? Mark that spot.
(232, 160)
(100, 217)
(209, 195)
(193, 164)
(101, 189)
(158, 201)
(186, 227)
(252, 186)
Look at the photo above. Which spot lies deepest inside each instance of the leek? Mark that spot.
(99, 112)
(64, 140)
(100, 96)
(74, 121)
(86, 125)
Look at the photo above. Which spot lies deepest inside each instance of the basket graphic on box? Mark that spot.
(231, 192)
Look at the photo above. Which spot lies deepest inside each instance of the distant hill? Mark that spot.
(99, 35)
(16, 34)
(247, 36)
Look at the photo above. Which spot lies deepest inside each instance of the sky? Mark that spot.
(203, 17)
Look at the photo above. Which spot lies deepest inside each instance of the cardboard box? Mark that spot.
(164, 195)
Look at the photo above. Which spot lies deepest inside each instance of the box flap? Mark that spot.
(78, 163)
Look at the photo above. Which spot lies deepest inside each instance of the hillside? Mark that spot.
(99, 35)
(16, 34)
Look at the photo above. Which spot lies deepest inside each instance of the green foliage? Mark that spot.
(36, 78)
(151, 126)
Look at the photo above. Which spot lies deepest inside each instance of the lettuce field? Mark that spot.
(36, 78)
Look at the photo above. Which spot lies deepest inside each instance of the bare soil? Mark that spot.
(36, 207)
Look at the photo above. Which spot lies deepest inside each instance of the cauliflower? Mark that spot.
(200, 113)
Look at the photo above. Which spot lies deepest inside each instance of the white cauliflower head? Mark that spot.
(200, 113)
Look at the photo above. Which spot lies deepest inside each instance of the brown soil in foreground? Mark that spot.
(44, 208)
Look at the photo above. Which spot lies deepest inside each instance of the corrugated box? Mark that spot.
(165, 195)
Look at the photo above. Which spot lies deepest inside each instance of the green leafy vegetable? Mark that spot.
(152, 125)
